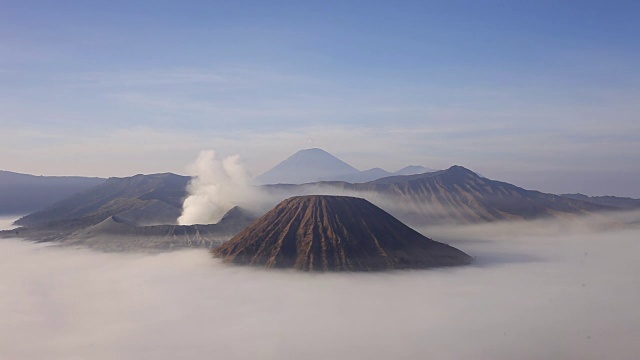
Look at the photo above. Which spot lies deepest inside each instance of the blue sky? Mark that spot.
(544, 94)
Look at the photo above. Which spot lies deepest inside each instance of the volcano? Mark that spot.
(306, 166)
(335, 233)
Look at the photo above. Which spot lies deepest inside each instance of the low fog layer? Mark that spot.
(532, 294)
(6, 222)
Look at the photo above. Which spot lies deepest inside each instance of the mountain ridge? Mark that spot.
(25, 193)
(456, 195)
(614, 201)
(114, 196)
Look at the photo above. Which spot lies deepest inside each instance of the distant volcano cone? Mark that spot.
(335, 233)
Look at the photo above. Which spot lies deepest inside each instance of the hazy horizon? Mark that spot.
(588, 183)
(542, 95)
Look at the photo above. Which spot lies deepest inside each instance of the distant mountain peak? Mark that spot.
(307, 165)
(315, 164)
(413, 170)
(312, 150)
(318, 154)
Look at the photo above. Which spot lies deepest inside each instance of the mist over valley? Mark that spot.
(544, 290)
(350, 180)
(555, 279)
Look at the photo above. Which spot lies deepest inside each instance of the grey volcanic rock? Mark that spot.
(120, 234)
(335, 233)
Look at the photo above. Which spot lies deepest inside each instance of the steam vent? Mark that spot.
(335, 233)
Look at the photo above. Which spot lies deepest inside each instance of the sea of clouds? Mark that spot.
(539, 290)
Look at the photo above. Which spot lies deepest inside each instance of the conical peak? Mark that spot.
(312, 151)
(320, 158)
(305, 166)
(329, 233)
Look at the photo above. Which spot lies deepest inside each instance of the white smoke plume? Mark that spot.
(217, 186)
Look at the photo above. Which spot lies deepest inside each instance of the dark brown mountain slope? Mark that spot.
(335, 233)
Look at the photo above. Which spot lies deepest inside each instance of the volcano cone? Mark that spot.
(335, 233)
